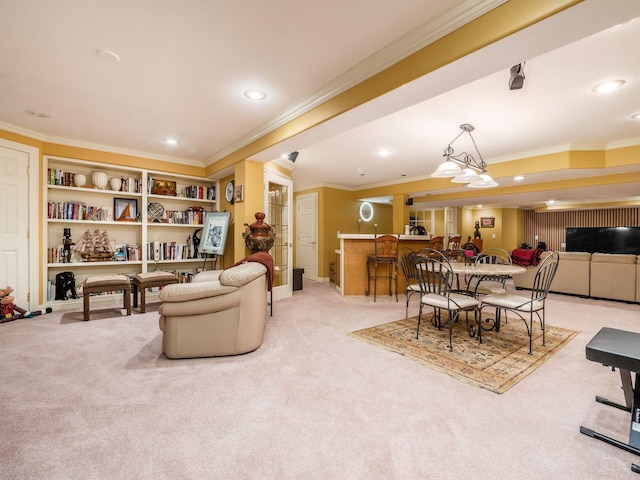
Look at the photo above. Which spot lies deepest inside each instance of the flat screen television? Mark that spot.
(603, 239)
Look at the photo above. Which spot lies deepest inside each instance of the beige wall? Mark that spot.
(508, 226)
(338, 211)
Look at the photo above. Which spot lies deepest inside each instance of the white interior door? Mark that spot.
(307, 236)
(277, 201)
(18, 217)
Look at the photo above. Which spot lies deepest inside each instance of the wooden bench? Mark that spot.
(106, 283)
(142, 281)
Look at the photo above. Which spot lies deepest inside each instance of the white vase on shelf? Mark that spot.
(99, 179)
(115, 183)
(80, 179)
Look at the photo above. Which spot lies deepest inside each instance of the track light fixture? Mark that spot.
(473, 173)
(292, 156)
(517, 77)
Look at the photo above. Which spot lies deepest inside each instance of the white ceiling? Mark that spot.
(185, 65)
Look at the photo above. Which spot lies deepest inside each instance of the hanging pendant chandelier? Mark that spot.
(473, 172)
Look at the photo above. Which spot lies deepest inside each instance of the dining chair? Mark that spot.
(437, 243)
(525, 307)
(453, 247)
(408, 264)
(436, 282)
(385, 253)
(490, 284)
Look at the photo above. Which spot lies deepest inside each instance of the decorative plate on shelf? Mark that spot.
(155, 211)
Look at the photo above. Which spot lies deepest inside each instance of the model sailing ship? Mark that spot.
(95, 246)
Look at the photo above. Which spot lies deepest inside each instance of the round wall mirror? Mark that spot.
(366, 211)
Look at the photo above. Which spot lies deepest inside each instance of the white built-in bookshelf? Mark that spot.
(149, 216)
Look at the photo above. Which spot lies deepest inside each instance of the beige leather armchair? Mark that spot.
(220, 313)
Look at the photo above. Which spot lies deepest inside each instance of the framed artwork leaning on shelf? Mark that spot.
(164, 187)
(125, 209)
(214, 233)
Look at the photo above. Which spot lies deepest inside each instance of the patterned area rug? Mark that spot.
(497, 364)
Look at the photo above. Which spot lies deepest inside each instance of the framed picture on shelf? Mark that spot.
(214, 233)
(487, 222)
(164, 187)
(125, 209)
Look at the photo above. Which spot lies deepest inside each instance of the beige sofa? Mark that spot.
(597, 275)
(614, 276)
(220, 313)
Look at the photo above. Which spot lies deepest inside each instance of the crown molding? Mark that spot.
(95, 146)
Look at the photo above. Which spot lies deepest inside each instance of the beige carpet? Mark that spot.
(497, 364)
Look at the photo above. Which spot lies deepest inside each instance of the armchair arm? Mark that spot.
(187, 299)
(208, 276)
(186, 292)
(242, 274)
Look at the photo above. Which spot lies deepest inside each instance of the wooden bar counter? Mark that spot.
(354, 249)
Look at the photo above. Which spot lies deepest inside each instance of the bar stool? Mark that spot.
(385, 253)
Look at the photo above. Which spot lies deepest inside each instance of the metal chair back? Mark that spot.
(544, 276)
(496, 256)
(436, 275)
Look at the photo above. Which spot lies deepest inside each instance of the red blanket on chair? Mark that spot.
(263, 258)
(524, 258)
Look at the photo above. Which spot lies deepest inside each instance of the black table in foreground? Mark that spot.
(619, 349)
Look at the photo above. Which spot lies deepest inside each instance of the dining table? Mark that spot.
(483, 272)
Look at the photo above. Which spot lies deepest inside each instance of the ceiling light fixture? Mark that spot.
(518, 178)
(170, 141)
(474, 173)
(384, 152)
(636, 116)
(255, 94)
(292, 157)
(608, 87)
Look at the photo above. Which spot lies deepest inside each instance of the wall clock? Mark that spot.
(229, 190)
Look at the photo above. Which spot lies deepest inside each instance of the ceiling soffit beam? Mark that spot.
(476, 197)
(559, 161)
(494, 25)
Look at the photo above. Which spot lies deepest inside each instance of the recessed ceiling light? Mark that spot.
(170, 141)
(479, 206)
(518, 178)
(108, 55)
(384, 152)
(636, 116)
(33, 113)
(551, 202)
(607, 87)
(255, 94)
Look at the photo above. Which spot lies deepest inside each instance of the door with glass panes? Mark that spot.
(278, 200)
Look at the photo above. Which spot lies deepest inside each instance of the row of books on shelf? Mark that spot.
(57, 176)
(158, 251)
(78, 211)
(186, 217)
(200, 192)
